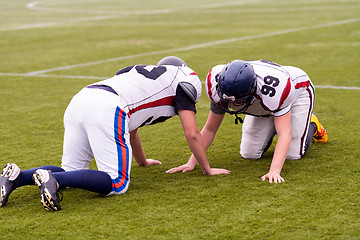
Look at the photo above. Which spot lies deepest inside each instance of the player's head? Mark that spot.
(172, 60)
(236, 85)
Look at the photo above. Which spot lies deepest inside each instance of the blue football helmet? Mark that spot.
(236, 85)
(172, 60)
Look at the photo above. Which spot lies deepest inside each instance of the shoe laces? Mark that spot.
(319, 134)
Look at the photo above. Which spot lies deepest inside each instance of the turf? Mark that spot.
(320, 198)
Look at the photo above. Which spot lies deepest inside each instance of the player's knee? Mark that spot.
(249, 154)
(295, 152)
(118, 189)
(114, 192)
(293, 157)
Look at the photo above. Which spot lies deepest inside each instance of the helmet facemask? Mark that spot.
(235, 106)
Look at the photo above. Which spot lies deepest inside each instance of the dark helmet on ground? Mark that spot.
(172, 60)
(236, 85)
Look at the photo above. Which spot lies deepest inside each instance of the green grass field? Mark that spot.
(51, 49)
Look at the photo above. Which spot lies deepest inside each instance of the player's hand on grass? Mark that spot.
(183, 168)
(151, 162)
(217, 171)
(273, 176)
(188, 168)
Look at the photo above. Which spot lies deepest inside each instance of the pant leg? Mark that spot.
(96, 126)
(77, 153)
(108, 133)
(257, 132)
(301, 111)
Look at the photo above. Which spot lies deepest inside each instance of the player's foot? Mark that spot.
(8, 178)
(320, 135)
(48, 189)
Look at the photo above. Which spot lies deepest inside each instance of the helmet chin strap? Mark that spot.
(237, 119)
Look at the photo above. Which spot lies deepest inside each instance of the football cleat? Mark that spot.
(48, 189)
(8, 178)
(320, 135)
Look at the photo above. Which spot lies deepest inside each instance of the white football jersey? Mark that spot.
(147, 92)
(278, 87)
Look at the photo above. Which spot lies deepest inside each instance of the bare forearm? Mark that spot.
(281, 150)
(140, 158)
(137, 150)
(196, 145)
(199, 153)
(208, 132)
(207, 138)
(283, 129)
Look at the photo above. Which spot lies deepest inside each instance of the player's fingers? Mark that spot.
(176, 169)
(222, 171)
(277, 179)
(154, 161)
(227, 171)
(270, 179)
(280, 179)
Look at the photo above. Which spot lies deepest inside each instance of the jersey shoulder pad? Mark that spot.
(190, 83)
(189, 89)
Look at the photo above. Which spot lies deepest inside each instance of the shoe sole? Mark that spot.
(2, 196)
(6, 172)
(45, 197)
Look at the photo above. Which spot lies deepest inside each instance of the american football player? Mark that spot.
(101, 122)
(275, 100)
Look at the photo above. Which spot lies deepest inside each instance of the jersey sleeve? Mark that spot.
(211, 84)
(216, 109)
(182, 101)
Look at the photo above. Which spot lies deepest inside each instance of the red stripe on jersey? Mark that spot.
(285, 93)
(302, 84)
(208, 80)
(193, 73)
(161, 102)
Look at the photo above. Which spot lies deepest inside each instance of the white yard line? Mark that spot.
(103, 78)
(53, 76)
(109, 14)
(216, 6)
(337, 87)
(202, 45)
(34, 6)
(41, 73)
(50, 24)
